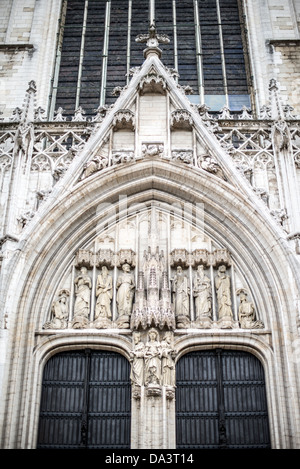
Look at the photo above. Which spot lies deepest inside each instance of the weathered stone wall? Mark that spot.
(28, 39)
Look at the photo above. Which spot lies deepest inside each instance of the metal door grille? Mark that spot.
(221, 401)
(86, 402)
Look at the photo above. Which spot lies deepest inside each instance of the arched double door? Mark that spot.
(220, 401)
(86, 401)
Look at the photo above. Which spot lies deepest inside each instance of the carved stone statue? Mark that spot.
(181, 290)
(83, 287)
(95, 164)
(60, 312)
(153, 358)
(202, 293)
(168, 354)
(137, 361)
(104, 296)
(247, 316)
(222, 282)
(125, 293)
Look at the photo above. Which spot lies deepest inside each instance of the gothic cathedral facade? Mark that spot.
(150, 224)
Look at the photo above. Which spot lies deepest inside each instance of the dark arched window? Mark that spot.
(97, 49)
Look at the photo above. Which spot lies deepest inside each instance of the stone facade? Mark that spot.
(153, 229)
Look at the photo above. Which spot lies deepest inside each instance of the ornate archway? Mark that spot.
(77, 240)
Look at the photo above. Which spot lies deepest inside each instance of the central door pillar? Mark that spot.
(153, 418)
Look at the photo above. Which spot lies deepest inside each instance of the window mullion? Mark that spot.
(222, 53)
(86, 6)
(105, 54)
(199, 52)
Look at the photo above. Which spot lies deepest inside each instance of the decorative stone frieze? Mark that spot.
(124, 156)
(184, 156)
(153, 149)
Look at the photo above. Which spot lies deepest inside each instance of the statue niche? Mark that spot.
(247, 316)
(223, 288)
(125, 294)
(202, 293)
(104, 296)
(59, 311)
(83, 286)
(181, 300)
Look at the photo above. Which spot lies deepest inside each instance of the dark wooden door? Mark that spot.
(221, 401)
(85, 402)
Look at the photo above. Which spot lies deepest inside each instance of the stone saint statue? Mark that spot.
(168, 364)
(125, 288)
(137, 361)
(181, 290)
(153, 358)
(83, 287)
(247, 317)
(202, 293)
(60, 312)
(222, 282)
(103, 294)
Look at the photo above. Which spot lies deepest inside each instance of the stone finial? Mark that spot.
(152, 39)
